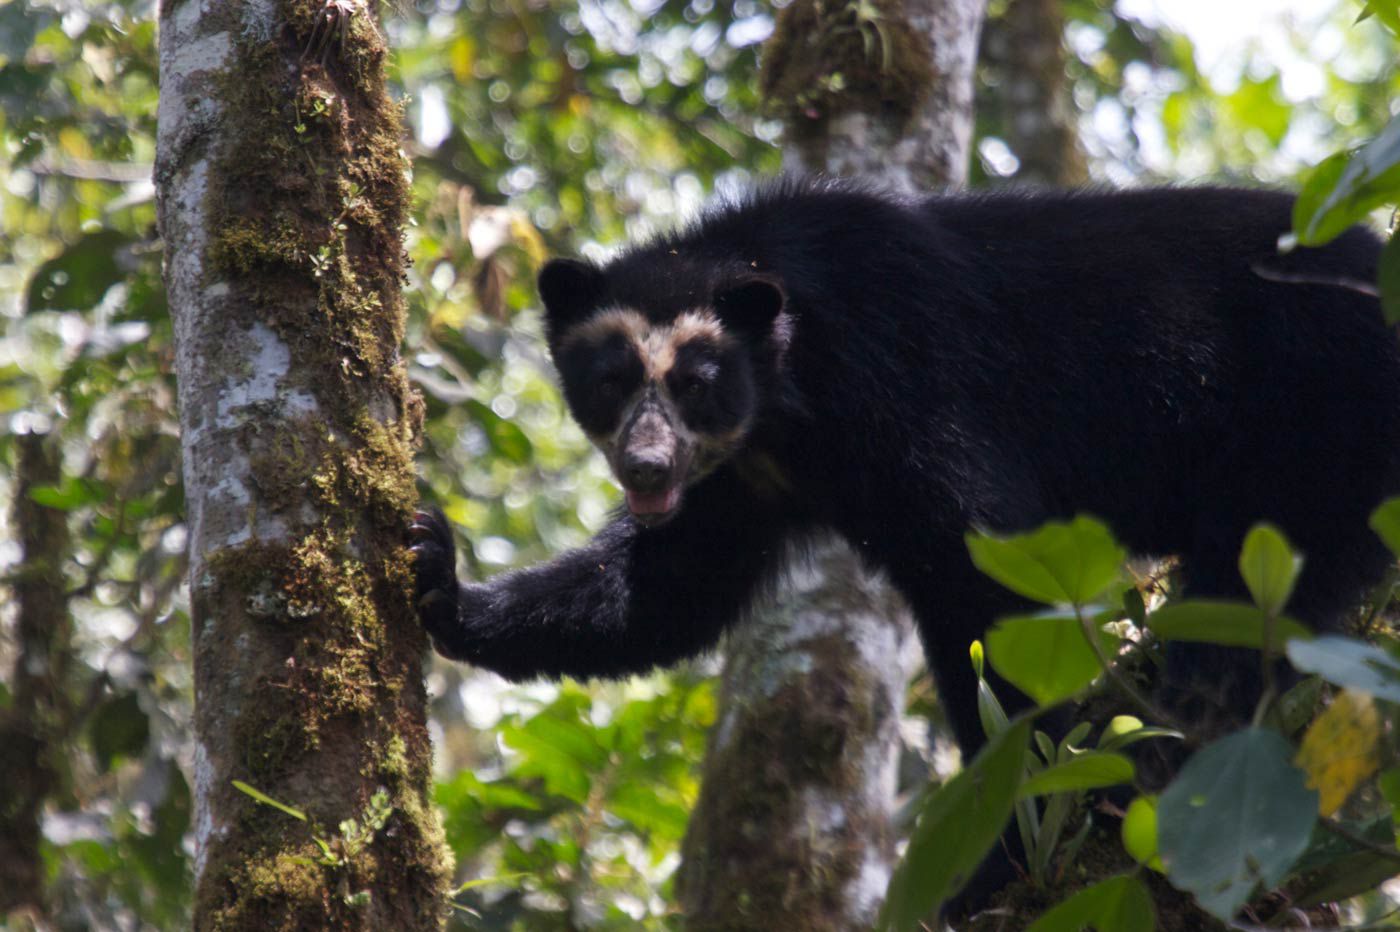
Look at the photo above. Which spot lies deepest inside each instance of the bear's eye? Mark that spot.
(694, 387)
(609, 386)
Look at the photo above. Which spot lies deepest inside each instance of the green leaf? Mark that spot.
(1140, 832)
(1344, 188)
(959, 824)
(1124, 730)
(1342, 879)
(1269, 567)
(1233, 624)
(507, 439)
(70, 494)
(267, 800)
(1072, 562)
(1389, 281)
(77, 278)
(119, 728)
(1347, 661)
(1389, 784)
(1046, 656)
(647, 810)
(1385, 521)
(1087, 771)
(1236, 818)
(1118, 904)
(1297, 707)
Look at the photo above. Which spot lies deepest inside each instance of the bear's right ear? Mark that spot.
(570, 289)
(751, 305)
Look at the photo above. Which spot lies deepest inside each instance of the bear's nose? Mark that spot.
(646, 472)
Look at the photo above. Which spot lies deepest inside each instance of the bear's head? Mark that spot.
(668, 389)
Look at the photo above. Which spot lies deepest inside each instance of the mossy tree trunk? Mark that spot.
(282, 197)
(1026, 98)
(793, 828)
(33, 726)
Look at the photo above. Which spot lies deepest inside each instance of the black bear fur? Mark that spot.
(935, 364)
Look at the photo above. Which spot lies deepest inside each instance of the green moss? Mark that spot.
(831, 56)
(308, 202)
(277, 891)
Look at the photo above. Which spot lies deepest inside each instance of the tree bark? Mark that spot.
(282, 195)
(793, 827)
(31, 764)
(1026, 98)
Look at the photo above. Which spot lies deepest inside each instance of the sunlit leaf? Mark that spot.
(267, 800)
(1269, 567)
(1046, 656)
(1061, 562)
(1139, 832)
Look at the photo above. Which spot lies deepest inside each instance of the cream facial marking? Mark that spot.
(656, 345)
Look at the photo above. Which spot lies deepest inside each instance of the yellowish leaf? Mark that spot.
(1340, 749)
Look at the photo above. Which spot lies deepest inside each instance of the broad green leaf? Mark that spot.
(1140, 832)
(1233, 624)
(1269, 567)
(1385, 521)
(507, 439)
(1347, 661)
(1087, 771)
(1342, 879)
(1046, 656)
(1062, 562)
(1344, 188)
(1389, 783)
(1235, 819)
(1118, 904)
(1389, 281)
(959, 824)
(1341, 749)
(646, 807)
(77, 278)
(267, 800)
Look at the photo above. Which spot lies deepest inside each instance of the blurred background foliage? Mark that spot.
(535, 127)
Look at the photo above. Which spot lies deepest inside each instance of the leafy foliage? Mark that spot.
(561, 127)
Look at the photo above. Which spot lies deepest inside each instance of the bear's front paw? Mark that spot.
(435, 568)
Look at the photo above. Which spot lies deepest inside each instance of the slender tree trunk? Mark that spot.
(282, 197)
(1026, 98)
(793, 826)
(30, 731)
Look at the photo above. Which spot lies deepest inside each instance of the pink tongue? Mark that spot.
(652, 503)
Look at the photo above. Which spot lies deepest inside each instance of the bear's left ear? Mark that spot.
(751, 305)
(570, 288)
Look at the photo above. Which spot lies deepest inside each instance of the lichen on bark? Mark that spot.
(283, 201)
